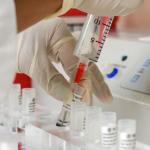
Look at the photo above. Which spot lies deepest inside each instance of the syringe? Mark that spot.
(91, 42)
(88, 49)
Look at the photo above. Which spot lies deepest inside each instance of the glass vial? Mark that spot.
(15, 98)
(92, 125)
(108, 130)
(78, 118)
(28, 106)
(126, 134)
(28, 101)
(14, 108)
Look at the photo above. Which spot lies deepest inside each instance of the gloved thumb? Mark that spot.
(59, 88)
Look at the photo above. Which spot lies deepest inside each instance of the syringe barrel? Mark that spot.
(92, 37)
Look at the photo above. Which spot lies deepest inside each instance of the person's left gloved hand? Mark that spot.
(50, 40)
(101, 7)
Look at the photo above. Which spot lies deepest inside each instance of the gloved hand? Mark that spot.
(102, 7)
(50, 40)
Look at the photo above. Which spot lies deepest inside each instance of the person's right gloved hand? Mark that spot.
(50, 40)
(102, 7)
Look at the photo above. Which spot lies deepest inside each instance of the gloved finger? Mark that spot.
(101, 7)
(87, 85)
(100, 88)
(58, 86)
(61, 45)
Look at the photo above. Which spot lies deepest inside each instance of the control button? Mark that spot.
(113, 73)
(124, 58)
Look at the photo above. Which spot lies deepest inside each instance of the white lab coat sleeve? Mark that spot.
(7, 45)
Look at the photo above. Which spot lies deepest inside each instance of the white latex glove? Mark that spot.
(102, 7)
(50, 40)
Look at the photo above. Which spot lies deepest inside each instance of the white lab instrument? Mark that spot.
(126, 134)
(139, 76)
(122, 59)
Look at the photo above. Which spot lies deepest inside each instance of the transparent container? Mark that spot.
(28, 100)
(15, 98)
(127, 134)
(108, 130)
(78, 118)
(92, 131)
(28, 106)
(13, 108)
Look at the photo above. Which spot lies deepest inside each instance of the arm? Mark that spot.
(31, 11)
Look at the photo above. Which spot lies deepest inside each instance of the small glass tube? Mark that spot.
(15, 98)
(92, 131)
(126, 134)
(14, 107)
(78, 118)
(108, 130)
(28, 106)
(28, 100)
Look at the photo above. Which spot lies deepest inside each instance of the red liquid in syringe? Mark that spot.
(79, 73)
(105, 22)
